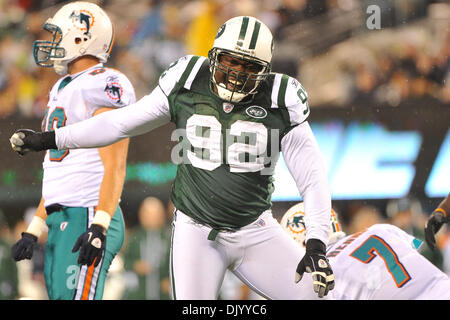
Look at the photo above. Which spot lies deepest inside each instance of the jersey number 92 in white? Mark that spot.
(245, 144)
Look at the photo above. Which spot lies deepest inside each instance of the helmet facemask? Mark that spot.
(240, 58)
(45, 51)
(232, 84)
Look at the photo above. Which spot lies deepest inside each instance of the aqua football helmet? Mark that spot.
(78, 29)
(249, 40)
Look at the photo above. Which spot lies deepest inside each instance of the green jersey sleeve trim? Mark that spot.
(291, 98)
(281, 101)
(188, 70)
(175, 77)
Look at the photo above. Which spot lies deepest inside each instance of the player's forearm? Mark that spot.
(114, 160)
(40, 211)
(145, 115)
(37, 225)
(445, 204)
(110, 191)
(304, 160)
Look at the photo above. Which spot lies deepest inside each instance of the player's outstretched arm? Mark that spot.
(303, 158)
(439, 216)
(148, 113)
(23, 249)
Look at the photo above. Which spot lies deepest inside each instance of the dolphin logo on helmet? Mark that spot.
(293, 222)
(82, 18)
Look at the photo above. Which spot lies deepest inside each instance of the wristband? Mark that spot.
(48, 140)
(37, 226)
(441, 210)
(102, 218)
(315, 245)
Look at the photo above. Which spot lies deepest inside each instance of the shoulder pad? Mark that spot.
(109, 88)
(182, 72)
(288, 93)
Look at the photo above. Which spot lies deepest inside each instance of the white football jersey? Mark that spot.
(382, 263)
(73, 177)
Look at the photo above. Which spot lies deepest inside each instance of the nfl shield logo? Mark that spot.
(227, 107)
(261, 223)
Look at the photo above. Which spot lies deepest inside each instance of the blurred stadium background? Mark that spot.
(379, 97)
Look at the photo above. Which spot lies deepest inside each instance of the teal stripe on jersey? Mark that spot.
(255, 35)
(65, 82)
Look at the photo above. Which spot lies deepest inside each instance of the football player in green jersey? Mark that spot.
(233, 117)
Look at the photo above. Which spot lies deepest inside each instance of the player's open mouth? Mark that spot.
(234, 84)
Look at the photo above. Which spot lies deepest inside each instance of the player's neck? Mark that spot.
(81, 64)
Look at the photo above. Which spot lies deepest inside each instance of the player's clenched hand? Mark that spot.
(432, 226)
(24, 140)
(316, 262)
(23, 249)
(91, 244)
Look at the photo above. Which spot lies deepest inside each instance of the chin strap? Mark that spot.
(60, 67)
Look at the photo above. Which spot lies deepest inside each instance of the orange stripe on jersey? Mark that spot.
(87, 282)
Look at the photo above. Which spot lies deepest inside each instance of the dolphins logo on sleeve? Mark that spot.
(114, 90)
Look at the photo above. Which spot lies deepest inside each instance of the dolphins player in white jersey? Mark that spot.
(381, 262)
(81, 188)
(233, 118)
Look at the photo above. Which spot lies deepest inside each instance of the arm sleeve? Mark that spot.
(445, 205)
(305, 163)
(148, 113)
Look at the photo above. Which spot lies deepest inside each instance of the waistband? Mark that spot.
(54, 208)
(214, 231)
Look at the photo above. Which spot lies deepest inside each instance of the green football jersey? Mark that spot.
(227, 152)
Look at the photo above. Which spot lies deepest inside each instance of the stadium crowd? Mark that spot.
(149, 35)
(385, 66)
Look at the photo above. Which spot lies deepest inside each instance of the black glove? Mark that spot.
(433, 225)
(92, 244)
(24, 140)
(316, 262)
(23, 249)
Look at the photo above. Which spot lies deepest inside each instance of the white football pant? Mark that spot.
(261, 254)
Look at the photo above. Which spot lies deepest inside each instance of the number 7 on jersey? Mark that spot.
(374, 246)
